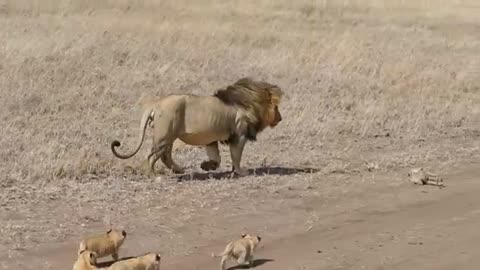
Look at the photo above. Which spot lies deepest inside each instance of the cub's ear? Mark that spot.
(243, 235)
(109, 231)
(157, 257)
(93, 258)
(124, 233)
(259, 238)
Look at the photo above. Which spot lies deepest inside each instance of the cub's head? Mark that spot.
(255, 238)
(89, 256)
(116, 235)
(153, 259)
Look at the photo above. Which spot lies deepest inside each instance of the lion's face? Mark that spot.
(276, 117)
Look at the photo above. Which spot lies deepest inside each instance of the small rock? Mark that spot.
(371, 166)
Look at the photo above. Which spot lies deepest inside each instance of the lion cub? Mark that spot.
(241, 250)
(87, 260)
(105, 244)
(149, 261)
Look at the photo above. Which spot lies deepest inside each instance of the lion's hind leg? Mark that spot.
(168, 161)
(155, 154)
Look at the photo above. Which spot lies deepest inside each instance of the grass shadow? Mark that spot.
(255, 264)
(277, 170)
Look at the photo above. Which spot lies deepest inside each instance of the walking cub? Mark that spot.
(240, 250)
(104, 244)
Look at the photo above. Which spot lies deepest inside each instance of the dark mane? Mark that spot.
(246, 93)
(254, 97)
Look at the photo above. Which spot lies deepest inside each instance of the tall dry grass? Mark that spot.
(71, 73)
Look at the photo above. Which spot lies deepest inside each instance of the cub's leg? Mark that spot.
(250, 261)
(214, 158)
(223, 262)
(115, 256)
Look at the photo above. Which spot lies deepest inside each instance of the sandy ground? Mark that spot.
(374, 226)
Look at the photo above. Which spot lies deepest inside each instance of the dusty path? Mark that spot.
(410, 228)
(386, 227)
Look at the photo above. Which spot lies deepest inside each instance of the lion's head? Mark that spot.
(259, 99)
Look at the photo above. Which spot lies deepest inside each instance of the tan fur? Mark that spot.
(241, 250)
(232, 115)
(149, 261)
(86, 260)
(420, 176)
(104, 244)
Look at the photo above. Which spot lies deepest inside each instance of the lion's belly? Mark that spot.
(203, 138)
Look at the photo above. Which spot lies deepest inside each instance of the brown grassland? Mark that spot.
(395, 83)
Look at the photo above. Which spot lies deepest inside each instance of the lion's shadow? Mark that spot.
(200, 176)
(256, 263)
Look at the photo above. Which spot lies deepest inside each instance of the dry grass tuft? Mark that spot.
(73, 71)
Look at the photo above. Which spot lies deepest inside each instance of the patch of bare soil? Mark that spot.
(365, 221)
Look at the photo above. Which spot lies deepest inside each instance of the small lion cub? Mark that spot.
(240, 250)
(149, 261)
(86, 260)
(104, 244)
(420, 176)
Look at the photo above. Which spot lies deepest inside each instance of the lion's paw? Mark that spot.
(209, 165)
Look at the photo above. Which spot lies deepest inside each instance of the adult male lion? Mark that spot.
(233, 116)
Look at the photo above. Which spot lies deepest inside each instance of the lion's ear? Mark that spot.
(275, 95)
(243, 235)
(109, 231)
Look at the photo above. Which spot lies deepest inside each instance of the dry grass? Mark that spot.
(72, 72)
(397, 84)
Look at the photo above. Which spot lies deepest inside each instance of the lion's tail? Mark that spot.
(146, 118)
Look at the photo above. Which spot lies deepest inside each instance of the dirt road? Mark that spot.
(410, 228)
(385, 227)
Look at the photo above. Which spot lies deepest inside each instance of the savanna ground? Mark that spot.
(394, 84)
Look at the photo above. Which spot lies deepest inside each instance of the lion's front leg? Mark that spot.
(236, 151)
(214, 158)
